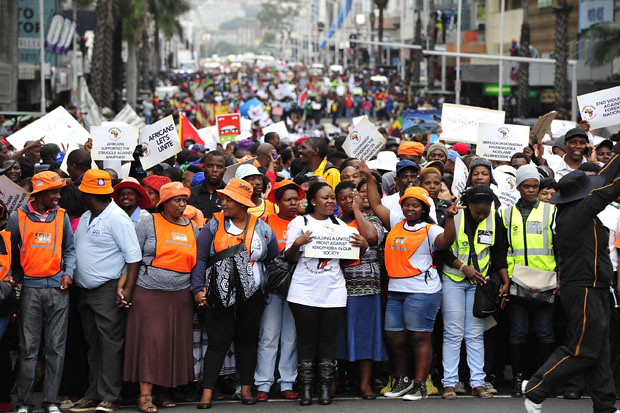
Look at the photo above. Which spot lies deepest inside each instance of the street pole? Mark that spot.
(573, 87)
(457, 86)
(42, 53)
(443, 72)
(74, 89)
(500, 95)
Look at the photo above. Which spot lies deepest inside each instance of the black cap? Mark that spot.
(575, 186)
(606, 142)
(575, 133)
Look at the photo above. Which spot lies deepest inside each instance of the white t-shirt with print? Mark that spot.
(315, 282)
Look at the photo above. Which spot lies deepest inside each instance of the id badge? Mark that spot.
(485, 237)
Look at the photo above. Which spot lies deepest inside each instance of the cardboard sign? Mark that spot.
(364, 141)
(560, 127)
(12, 194)
(57, 127)
(114, 142)
(228, 126)
(601, 108)
(500, 141)
(459, 182)
(129, 116)
(332, 241)
(160, 141)
(459, 123)
(232, 169)
(279, 128)
(543, 124)
(506, 189)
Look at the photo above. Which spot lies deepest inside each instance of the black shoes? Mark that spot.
(306, 381)
(327, 371)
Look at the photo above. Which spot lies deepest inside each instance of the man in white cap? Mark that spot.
(252, 175)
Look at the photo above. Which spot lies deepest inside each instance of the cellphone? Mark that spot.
(275, 155)
(588, 152)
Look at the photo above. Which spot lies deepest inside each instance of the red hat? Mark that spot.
(461, 148)
(300, 140)
(155, 181)
(144, 202)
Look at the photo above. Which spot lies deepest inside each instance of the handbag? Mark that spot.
(486, 297)
(533, 284)
(279, 272)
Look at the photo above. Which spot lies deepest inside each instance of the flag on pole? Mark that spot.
(302, 97)
(188, 131)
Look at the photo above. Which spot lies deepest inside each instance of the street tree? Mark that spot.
(523, 73)
(606, 36)
(560, 83)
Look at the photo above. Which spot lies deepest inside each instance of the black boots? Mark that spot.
(517, 369)
(306, 381)
(327, 370)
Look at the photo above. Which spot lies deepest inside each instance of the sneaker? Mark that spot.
(459, 388)
(84, 405)
(418, 392)
(488, 386)
(402, 386)
(531, 407)
(66, 404)
(388, 386)
(106, 407)
(431, 389)
(51, 408)
(24, 409)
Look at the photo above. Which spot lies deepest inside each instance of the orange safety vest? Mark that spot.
(5, 259)
(41, 252)
(175, 245)
(223, 239)
(400, 245)
(279, 227)
(354, 225)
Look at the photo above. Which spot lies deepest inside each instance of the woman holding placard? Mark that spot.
(317, 295)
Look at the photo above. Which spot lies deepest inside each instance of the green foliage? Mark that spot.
(223, 48)
(166, 13)
(277, 16)
(607, 42)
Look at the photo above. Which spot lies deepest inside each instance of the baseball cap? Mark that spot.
(575, 133)
(96, 182)
(406, 164)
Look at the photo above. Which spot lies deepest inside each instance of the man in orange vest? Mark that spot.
(44, 262)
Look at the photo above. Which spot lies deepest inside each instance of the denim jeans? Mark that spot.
(459, 322)
(40, 309)
(277, 327)
(4, 323)
(520, 315)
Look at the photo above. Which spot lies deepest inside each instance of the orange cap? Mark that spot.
(411, 148)
(44, 181)
(96, 182)
(171, 190)
(417, 193)
(240, 191)
(279, 185)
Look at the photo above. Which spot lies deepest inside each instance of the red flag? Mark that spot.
(302, 97)
(188, 131)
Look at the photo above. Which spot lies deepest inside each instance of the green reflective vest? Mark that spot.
(484, 238)
(532, 246)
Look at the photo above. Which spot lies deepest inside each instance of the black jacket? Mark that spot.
(582, 241)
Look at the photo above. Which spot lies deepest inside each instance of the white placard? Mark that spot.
(232, 169)
(209, 137)
(459, 123)
(560, 127)
(57, 127)
(279, 128)
(356, 119)
(601, 108)
(114, 142)
(364, 141)
(161, 141)
(130, 117)
(506, 189)
(459, 183)
(332, 241)
(500, 141)
(12, 194)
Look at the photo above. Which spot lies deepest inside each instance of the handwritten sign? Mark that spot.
(601, 108)
(459, 123)
(501, 141)
(57, 127)
(12, 194)
(114, 142)
(160, 141)
(332, 241)
(364, 141)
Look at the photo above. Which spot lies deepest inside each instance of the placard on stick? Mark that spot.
(160, 141)
(543, 124)
(364, 141)
(228, 126)
(501, 141)
(601, 108)
(114, 142)
(459, 123)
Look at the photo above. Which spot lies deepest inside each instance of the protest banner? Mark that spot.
(160, 142)
(460, 177)
(543, 124)
(232, 169)
(12, 194)
(459, 123)
(560, 127)
(228, 126)
(500, 141)
(421, 121)
(279, 128)
(129, 116)
(601, 108)
(114, 142)
(57, 127)
(332, 241)
(506, 188)
(364, 141)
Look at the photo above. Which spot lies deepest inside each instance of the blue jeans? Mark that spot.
(4, 323)
(520, 315)
(459, 322)
(277, 327)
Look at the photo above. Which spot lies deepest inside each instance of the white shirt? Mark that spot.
(421, 259)
(256, 249)
(315, 282)
(392, 202)
(610, 217)
(563, 169)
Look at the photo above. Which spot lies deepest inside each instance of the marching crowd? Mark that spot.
(190, 286)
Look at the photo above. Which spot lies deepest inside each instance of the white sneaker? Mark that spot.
(531, 407)
(524, 386)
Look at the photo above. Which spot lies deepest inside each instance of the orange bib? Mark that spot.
(176, 245)
(5, 259)
(279, 227)
(41, 252)
(223, 239)
(400, 245)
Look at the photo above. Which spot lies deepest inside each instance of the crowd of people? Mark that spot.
(171, 284)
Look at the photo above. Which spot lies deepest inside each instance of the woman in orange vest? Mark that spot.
(277, 323)
(414, 288)
(360, 336)
(158, 338)
(233, 300)
(8, 304)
